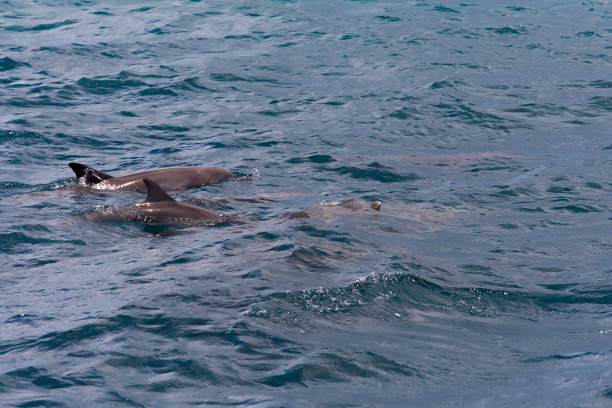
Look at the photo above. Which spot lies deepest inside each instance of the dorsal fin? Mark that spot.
(89, 174)
(155, 193)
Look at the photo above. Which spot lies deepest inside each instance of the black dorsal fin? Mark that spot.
(89, 174)
(155, 193)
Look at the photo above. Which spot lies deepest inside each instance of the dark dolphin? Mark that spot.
(171, 178)
(160, 208)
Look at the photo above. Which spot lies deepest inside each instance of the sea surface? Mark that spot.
(484, 128)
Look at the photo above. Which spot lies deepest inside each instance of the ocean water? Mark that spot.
(484, 280)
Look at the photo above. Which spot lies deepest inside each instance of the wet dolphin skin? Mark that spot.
(171, 178)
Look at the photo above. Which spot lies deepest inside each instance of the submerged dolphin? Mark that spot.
(328, 208)
(171, 178)
(160, 208)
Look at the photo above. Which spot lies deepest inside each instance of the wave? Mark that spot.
(405, 296)
(40, 27)
(7, 64)
(374, 172)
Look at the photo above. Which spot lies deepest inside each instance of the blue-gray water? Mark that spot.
(484, 128)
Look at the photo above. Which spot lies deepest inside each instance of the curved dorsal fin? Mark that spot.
(89, 174)
(155, 193)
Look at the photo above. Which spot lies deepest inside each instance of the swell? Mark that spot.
(154, 324)
(399, 294)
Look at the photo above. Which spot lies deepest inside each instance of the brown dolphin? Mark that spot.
(171, 178)
(160, 208)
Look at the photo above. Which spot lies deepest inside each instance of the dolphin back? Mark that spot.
(155, 193)
(90, 175)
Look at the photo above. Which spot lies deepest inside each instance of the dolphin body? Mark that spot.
(332, 208)
(160, 208)
(171, 178)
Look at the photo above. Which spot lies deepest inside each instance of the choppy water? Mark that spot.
(484, 128)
